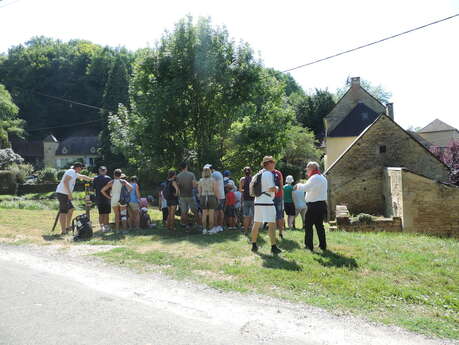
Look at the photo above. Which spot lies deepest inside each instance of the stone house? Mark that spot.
(51, 152)
(355, 111)
(439, 134)
(386, 171)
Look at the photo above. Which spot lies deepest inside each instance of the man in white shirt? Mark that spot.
(316, 200)
(265, 211)
(64, 194)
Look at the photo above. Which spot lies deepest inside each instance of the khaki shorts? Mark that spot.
(134, 206)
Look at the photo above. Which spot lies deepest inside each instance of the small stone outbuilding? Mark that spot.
(360, 179)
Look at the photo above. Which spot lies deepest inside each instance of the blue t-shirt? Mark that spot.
(133, 193)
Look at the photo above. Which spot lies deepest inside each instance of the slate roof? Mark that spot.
(355, 122)
(437, 126)
(76, 145)
(27, 148)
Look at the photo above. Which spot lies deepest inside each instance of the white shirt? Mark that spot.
(315, 188)
(61, 188)
(267, 182)
(217, 175)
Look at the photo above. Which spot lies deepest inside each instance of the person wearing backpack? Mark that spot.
(247, 199)
(171, 193)
(263, 187)
(134, 204)
(116, 198)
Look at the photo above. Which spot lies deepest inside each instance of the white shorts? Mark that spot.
(264, 214)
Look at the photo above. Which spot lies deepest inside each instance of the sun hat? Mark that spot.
(289, 179)
(267, 159)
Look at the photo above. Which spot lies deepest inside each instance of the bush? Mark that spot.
(8, 183)
(47, 175)
(60, 173)
(22, 171)
(8, 157)
(364, 218)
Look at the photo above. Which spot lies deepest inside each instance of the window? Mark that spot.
(382, 148)
(64, 150)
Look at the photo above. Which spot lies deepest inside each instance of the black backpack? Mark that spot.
(255, 184)
(169, 191)
(82, 228)
(246, 187)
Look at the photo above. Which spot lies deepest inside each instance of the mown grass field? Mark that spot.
(397, 279)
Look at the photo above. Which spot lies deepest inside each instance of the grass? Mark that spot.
(399, 279)
(37, 201)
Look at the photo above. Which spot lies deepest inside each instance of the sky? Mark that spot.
(420, 69)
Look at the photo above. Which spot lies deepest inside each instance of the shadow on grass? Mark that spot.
(288, 244)
(277, 262)
(331, 259)
(52, 237)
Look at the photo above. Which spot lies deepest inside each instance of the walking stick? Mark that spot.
(55, 221)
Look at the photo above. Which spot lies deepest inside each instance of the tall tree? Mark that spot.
(311, 109)
(9, 122)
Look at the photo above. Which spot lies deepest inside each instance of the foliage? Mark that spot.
(311, 109)
(22, 171)
(450, 156)
(364, 218)
(9, 123)
(47, 175)
(8, 157)
(299, 149)
(200, 97)
(8, 183)
(77, 70)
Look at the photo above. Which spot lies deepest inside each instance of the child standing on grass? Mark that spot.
(230, 209)
(162, 203)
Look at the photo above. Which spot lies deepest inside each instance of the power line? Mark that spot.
(62, 126)
(371, 43)
(9, 3)
(285, 71)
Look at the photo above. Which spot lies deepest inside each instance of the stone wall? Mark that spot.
(429, 207)
(357, 178)
(384, 224)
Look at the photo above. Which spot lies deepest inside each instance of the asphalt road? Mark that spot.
(43, 308)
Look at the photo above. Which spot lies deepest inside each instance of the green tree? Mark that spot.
(311, 109)
(187, 92)
(9, 122)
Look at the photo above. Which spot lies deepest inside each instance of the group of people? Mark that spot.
(215, 200)
(115, 194)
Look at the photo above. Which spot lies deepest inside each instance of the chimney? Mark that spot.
(390, 110)
(355, 82)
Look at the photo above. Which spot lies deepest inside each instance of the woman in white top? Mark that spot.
(208, 191)
(115, 186)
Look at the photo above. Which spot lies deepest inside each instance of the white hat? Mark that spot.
(289, 179)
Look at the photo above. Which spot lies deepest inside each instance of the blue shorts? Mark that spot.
(278, 203)
(221, 204)
(247, 208)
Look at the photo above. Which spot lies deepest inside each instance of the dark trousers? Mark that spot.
(317, 211)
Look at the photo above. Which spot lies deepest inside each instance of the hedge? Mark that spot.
(8, 183)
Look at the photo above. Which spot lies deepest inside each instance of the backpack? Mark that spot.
(246, 187)
(255, 184)
(169, 191)
(125, 196)
(82, 228)
(145, 219)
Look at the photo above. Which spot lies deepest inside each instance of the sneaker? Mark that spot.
(254, 247)
(275, 250)
(204, 231)
(220, 228)
(212, 231)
